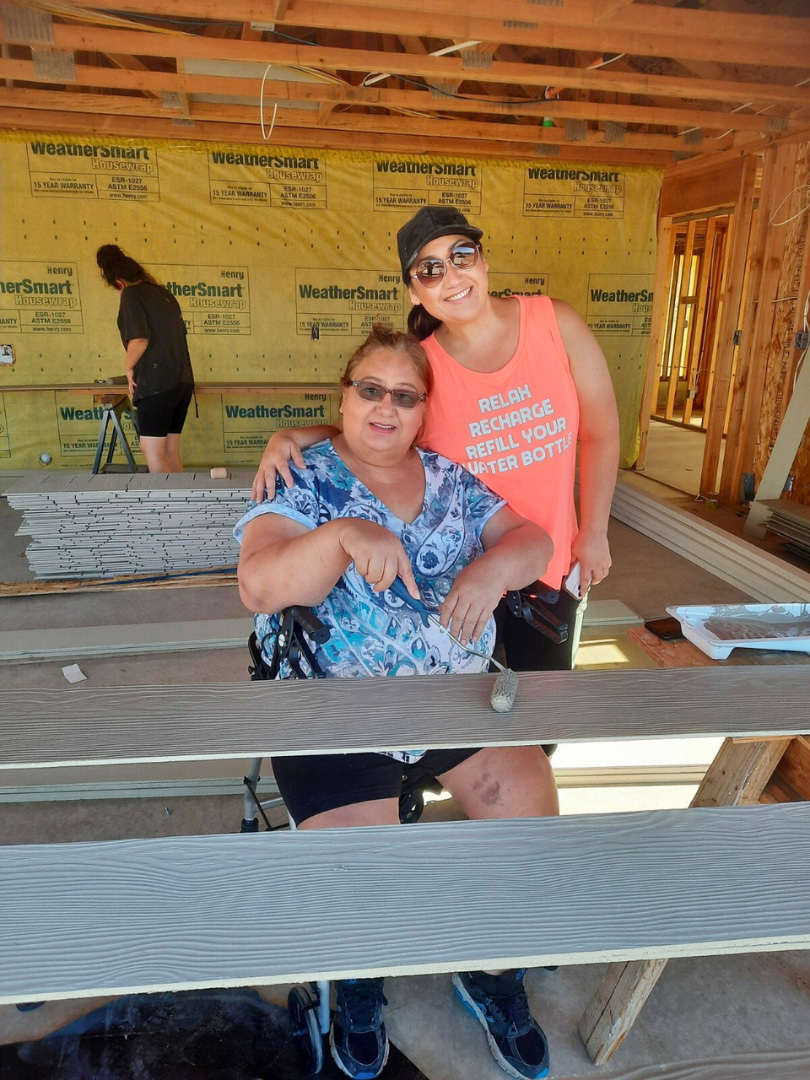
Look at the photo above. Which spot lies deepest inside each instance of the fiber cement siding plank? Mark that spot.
(177, 913)
(43, 728)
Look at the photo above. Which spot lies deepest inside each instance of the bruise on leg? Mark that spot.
(492, 795)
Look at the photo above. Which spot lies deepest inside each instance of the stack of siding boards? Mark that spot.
(85, 526)
(791, 521)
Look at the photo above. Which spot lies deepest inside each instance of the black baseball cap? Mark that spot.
(428, 224)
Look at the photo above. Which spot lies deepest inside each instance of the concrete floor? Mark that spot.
(701, 1009)
(675, 455)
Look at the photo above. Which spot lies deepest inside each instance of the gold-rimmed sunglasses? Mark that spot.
(429, 272)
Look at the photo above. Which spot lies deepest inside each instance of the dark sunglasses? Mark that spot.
(370, 391)
(429, 272)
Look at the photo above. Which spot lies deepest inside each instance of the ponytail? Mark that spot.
(421, 323)
(117, 266)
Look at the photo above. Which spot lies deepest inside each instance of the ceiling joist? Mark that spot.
(611, 80)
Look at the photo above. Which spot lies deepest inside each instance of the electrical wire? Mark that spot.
(798, 213)
(261, 108)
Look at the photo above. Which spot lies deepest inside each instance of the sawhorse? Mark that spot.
(113, 406)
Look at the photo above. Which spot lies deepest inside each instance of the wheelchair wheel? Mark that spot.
(302, 1005)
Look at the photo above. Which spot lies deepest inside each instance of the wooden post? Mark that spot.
(732, 295)
(716, 319)
(699, 345)
(681, 308)
(736, 777)
(658, 321)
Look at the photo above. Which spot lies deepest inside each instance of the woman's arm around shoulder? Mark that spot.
(598, 438)
(282, 448)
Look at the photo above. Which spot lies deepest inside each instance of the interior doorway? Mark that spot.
(692, 318)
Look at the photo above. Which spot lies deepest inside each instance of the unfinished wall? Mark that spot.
(777, 264)
(281, 259)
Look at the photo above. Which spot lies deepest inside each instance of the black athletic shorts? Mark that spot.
(316, 783)
(164, 414)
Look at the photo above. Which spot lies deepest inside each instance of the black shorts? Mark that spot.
(319, 782)
(164, 414)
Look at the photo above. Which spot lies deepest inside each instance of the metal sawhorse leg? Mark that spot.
(112, 416)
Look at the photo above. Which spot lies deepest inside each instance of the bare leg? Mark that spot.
(504, 781)
(173, 452)
(373, 812)
(154, 450)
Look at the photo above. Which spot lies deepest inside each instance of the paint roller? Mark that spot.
(505, 689)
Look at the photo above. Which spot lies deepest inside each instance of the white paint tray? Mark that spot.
(718, 628)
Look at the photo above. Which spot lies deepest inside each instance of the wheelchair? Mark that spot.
(308, 1006)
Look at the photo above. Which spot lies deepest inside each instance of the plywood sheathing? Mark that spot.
(788, 243)
(772, 313)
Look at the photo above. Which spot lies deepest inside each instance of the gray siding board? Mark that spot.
(88, 919)
(42, 728)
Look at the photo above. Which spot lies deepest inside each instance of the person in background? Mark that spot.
(367, 507)
(157, 361)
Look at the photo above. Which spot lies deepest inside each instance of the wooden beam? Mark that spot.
(680, 320)
(698, 343)
(743, 393)
(323, 138)
(709, 189)
(756, 39)
(729, 324)
(665, 252)
(605, 9)
(120, 105)
(77, 38)
(156, 82)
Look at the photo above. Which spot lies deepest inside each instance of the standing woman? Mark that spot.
(157, 362)
(518, 382)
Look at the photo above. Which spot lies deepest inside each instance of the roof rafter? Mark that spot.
(156, 82)
(755, 39)
(140, 43)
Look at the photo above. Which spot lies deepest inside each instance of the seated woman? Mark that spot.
(370, 507)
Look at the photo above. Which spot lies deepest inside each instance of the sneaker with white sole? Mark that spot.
(357, 1038)
(499, 1002)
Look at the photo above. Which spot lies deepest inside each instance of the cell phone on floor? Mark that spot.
(668, 629)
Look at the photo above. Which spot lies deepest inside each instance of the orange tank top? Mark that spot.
(515, 428)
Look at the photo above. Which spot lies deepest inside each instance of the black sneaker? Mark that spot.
(516, 1040)
(357, 1037)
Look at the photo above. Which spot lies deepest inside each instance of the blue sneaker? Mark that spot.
(357, 1038)
(499, 1002)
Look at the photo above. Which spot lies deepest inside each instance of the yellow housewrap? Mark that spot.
(281, 259)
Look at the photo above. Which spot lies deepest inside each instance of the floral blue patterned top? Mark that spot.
(376, 633)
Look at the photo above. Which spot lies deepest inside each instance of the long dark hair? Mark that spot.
(115, 266)
(421, 323)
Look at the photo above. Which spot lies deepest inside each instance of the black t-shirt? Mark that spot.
(150, 311)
